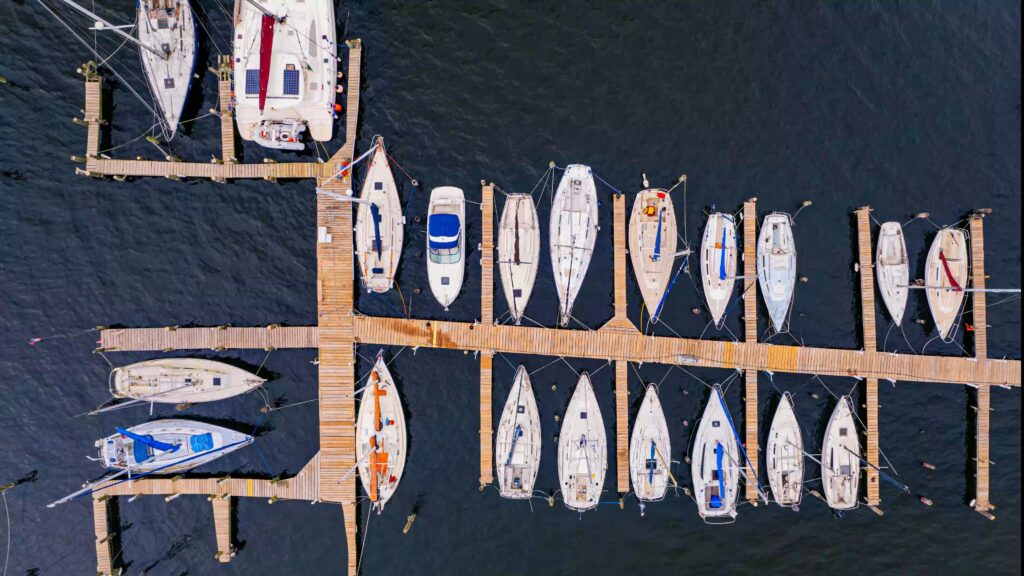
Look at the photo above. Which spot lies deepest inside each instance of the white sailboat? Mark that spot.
(776, 267)
(446, 243)
(168, 446)
(652, 245)
(784, 456)
(840, 458)
(518, 441)
(582, 449)
(168, 45)
(573, 232)
(379, 225)
(650, 449)
(945, 277)
(286, 64)
(715, 464)
(181, 380)
(718, 257)
(518, 251)
(892, 269)
(381, 437)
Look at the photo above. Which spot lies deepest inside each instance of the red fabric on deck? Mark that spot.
(266, 50)
(949, 273)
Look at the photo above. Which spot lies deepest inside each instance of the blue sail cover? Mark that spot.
(657, 241)
(147, 440)
(375, 215)
(721, 266)
(444, 231)
(650, 469)
(716, 501)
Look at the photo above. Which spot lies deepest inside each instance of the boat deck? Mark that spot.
(329, 477)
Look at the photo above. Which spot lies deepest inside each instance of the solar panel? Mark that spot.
(291, 82)
(252, 81)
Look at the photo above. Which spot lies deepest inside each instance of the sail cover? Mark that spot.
(721, 266)
(949, 273)
(148, 440)
(266, 51)
(657, 239)
(375, 214)
(444, 231)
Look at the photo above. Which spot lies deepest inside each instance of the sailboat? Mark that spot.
(446, 243)
(286, 64)
(181, 380)
(518, 442)
(945, 278)
(379, 225)
(714, 463)
(840, 458)
(892, 269)
(573, 232)
(582, 449)
(652, 245)
(718, 255)
(168, 446)
(168, 46)
(784, 456)
(518, 251)
(381, 437)
(776, 267)
(650, 450)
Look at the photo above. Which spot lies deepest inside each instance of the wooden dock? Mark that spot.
(865, 264)
(750, 405)
(104, 536)
(222, 509)
(486, 317)
(979, 321)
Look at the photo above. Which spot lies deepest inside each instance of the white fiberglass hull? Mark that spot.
(650, 450)
(446, 265)
(893, 269)
(192, 444)
(379, 246)
(517, 445)
(582, 449)
(784, 455)
(840, 458)
(181, 380)
(776, 267)
(715, 462)
(718, 257)
(168, 26)
(381, 437)
(945, 299)
(573, 233)
(652, 245)
(518, 251)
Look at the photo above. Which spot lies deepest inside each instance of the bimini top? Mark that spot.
(444, 231)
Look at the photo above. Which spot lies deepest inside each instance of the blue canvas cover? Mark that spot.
(147, 440)
(201, 442)
(141, 452)
(444, 231)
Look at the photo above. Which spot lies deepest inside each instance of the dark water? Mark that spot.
(906, 107)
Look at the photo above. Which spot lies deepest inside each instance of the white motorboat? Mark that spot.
(572, 235)
(446, 243)
(518, 251)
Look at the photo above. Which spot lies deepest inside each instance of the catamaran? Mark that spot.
(652, 245)
(715, 463)
(286, 64)
(181, 380)
(518, 442)
(784, 456)
(573, 232)
(945, 278)
(379, 224)
(718, 255)
(582, 449)
(518, 251)
(168, 446)
(446, 243)
(650, 450)
(776, 267)
(892, 269)
(381, 437)
(167, 41)
(840, 458)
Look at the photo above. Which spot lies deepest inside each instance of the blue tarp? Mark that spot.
(201, 442)
(141, 452)
(444, 231)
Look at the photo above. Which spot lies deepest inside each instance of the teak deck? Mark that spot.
(330, 477)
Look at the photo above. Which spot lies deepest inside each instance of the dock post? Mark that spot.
(222, 525)
(104, 536)
(620, 321)
(750, 417)
(622, 425)
(865, 261)
(979, 320)
(228, 145)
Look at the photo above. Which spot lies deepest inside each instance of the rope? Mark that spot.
(616, 190)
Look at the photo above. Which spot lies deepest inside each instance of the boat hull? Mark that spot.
(446, 267)
(718, 257)
(582, 449)
(381, 437)
(650, 450)
(181, 381)
(518, 251)
(651, 251)
(945, 300)
(518, 443)
(784, 455)
(840, 458)
(715, 462)
(776, 267)
(378, 259)
(573, 233)
(892, 269)
(170, 78)
(197, 443)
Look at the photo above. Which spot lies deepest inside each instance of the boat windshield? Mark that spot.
(445, 255)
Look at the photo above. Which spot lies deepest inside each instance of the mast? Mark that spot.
(109, 26)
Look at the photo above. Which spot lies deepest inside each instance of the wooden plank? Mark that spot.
(979, 320)
(228, 145)
(486, 420)
(865, 262)
(93, 115)
(622, 425)
(871, 421)
(166, 339)
(751, 409)
(104, 536)
(487, 254)
(620, 321)
(222, 525)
